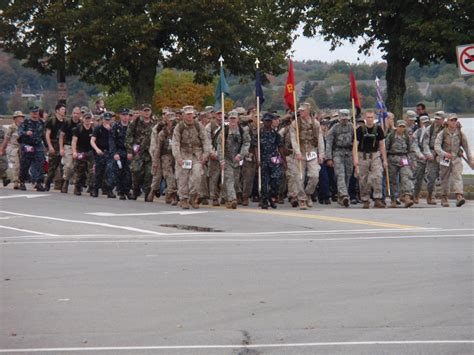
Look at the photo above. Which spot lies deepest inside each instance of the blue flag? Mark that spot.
(258, 88)
(380, 105)
(222, 87)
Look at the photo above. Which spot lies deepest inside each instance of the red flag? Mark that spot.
(290, 88)
(354, 94)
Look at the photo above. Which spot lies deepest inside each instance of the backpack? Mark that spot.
(373, 133)
(445, 135)
(315, 131)
(226, 134)
(391, 137)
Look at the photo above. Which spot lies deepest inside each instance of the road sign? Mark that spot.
(62, 91)
(465, 55)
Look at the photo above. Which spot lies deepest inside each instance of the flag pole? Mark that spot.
(257, 62)
(221, 60)
(297, 132)
(355, 135)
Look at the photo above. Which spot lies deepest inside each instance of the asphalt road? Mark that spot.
(100, 276)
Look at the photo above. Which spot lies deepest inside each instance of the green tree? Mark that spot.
(404, 30)
(118, 100)
(3, 106)
(321, 97)
(412, 94)
(306, 92)
(454, 99)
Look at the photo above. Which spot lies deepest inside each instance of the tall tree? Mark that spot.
(404, 30)
(122, 42)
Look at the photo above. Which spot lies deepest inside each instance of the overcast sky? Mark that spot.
(317, 49)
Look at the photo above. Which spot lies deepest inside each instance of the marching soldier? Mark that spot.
(162, 158)
(53, 129)
(205, 119)
(120, 174)
(399, 145)
(308, 153)
(421, 140)
(249, 166)
(272, 161)
(30, 135)
(138, 144)
(82, 154)
(370, 156)
(191, 148)
(432, 166)
(449, 146)
(157, 173)
(339, 142)
(236, 147)
(214, 168)
(11, 146)
(65, 140)
(100, 144)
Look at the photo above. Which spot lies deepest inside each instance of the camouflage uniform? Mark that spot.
(399, 165)
(292, 166)
(422, 150)
(31, 161)
(13, 152)
(190, 142)
(339, 142)
(84, 164)
(158, 175)
(237, 142)
(451, 142)
(432, 166)
(214, 168)
(137, 143)
(3, 159)
(119, 176)
(311, 140)
(249, 166)
(164, 155)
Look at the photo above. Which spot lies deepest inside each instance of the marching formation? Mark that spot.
(195, 158)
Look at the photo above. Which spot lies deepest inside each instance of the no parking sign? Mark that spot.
(465, 55)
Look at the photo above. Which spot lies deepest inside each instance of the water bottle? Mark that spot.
(119, 164)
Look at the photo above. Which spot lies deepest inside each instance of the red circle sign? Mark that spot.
(469, 56)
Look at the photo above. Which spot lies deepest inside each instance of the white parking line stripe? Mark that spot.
(254, 240)
(250, 346)
(106, 225)
(28, 231)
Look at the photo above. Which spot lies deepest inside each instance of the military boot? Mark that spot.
(416, 200)
(309, 201)
(302, 205)
(147, 194)
(366, 205)
(215, 202)
(239, 198)
(195, 201)
(95, 193)
(393, 203)
(184, 204)
(430, 200)
(77, 190)
(39, 187)
(167, 198)
(65, 186)
(460, 200)
(110, 194)
(122, 196)
(228, 204)
(204, 201)
(264, 205)
(272, 203)
(16, 185)
(245, 201)
(6, 181)
(378, 203)
(293, 201)
(47, 184)
(151, 196)
(135, 195)
(174, 199)
(345, 201)
(22, 186)
(444, 201)
(408, 201)
(233, 204)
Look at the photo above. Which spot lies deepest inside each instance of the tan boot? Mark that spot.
(228, 205)
(302, 205)
(366, 205)
(168, 198)
(195, 201)
(416, 200)
(460, 200)
(444, 201)
(309, 201)
(393, 204)
(408, 201)
(185, 204)
(174, 199)
(215, 203)
(233, 204)
(378, 203)
(239, 198)
(430, 200)
(65, 186)
(245, 201)
(345, 201)
(151, 195)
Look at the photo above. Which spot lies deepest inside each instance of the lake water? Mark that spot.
(468, 128)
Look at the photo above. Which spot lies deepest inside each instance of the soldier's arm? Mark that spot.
(48, 139)
(112, 137)
(426, 144)
(156, 155)
(438, 142)
(321, 149)
(244, 150)
(294, 140)
(129, 137)
(466, 147)
(415, 147)
(220, 156)
(176, 144)
(74, 146)
(206, 144)
(329, 143)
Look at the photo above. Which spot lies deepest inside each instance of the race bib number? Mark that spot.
(29, 149)
(445, 162)
(404, 162)
(187, 164)
(81, 156)
(276, 160)
(136, 149)
(311, 156)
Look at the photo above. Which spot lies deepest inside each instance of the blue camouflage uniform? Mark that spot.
(32, 150)
(120, 177)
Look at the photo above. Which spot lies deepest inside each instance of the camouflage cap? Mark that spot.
(439, 115)
(188, 109)
(304, 106)
(146, 107)
(209, 109)
(344, 114)
(401, 123)
(85, 109)
(88, 115)
(411, 114)
(240, 110)
(452, 116)
(18, 114)
(233, 114)
(424, 119)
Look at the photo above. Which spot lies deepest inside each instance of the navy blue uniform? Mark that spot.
(32, 150)
(102, 162)
(119, 176)
(271, 163)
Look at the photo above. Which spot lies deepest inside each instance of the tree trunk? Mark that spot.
(142, 81)
(396, 69)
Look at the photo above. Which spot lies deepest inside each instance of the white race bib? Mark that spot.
(187, 164)
(311, 156)
(445, 162)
